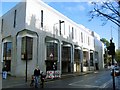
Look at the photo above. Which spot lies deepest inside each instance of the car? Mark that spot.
(116, 71)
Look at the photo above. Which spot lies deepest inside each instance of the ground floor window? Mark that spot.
(51, 65)
(52, 51)
(91, 59)
(7, 55)
(27, 48)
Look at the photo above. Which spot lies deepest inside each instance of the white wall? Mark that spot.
(99, 47)
(51, 19)
(8, 20)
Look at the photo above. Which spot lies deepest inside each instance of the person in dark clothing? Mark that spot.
(4, 72)
(36, 75)
(43, 76)
(32, 80)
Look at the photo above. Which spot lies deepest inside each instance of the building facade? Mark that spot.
(34, 34)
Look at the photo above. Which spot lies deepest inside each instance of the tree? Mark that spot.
(105, 41)
(106, 44)
(117, 56)
(106, 11)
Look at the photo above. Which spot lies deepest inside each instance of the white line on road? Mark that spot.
(80, 81)
(105, 84)
(75, 82)
(102, 86)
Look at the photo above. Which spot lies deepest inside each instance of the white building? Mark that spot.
(51, 39)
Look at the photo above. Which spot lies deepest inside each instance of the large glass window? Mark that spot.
(85, 61)
(52, 51)
(7, 55)
(27, 48)
(66, 53)
(52, 56)
(91, 59)
(77, 55)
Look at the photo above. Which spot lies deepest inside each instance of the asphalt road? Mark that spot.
(97, 80)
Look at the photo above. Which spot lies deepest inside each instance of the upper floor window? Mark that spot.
(69, 31)
(26, 48)
(88, 41)
(81, 37)
(2, 26)
(72, 33)
(60, 22)
(14, 24)
(41, 18)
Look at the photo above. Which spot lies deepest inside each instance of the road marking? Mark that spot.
(102, 86)
(88, 86)
(105, 84)
(80, 81)
(75, 82)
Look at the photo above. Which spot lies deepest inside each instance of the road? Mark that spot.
(98, 79)
(95, 80)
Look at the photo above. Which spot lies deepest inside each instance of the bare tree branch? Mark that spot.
(106, 11)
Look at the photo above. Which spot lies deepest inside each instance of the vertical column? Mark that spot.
(81, 57)
(72, 58)
(94, 59)
(14, 55)
(89, 60)
(59, 62)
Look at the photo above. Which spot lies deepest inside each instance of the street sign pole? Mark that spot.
(113, 77)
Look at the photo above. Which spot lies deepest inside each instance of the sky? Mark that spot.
(78, 12)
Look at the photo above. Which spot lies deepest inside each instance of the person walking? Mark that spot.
(43, 76)
(36, 75)
(4, 72)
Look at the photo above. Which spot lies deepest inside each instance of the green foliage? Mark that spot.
(117, 56)
(105, 41)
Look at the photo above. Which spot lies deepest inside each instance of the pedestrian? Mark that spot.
(4, 72)
(36, 75)
(32, 80)
(43, 76)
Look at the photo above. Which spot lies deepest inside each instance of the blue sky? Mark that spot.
(78, 12)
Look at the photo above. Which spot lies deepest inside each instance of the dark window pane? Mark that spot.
(41, 18)
(27, 48)
(7, 55)
(14, 25)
